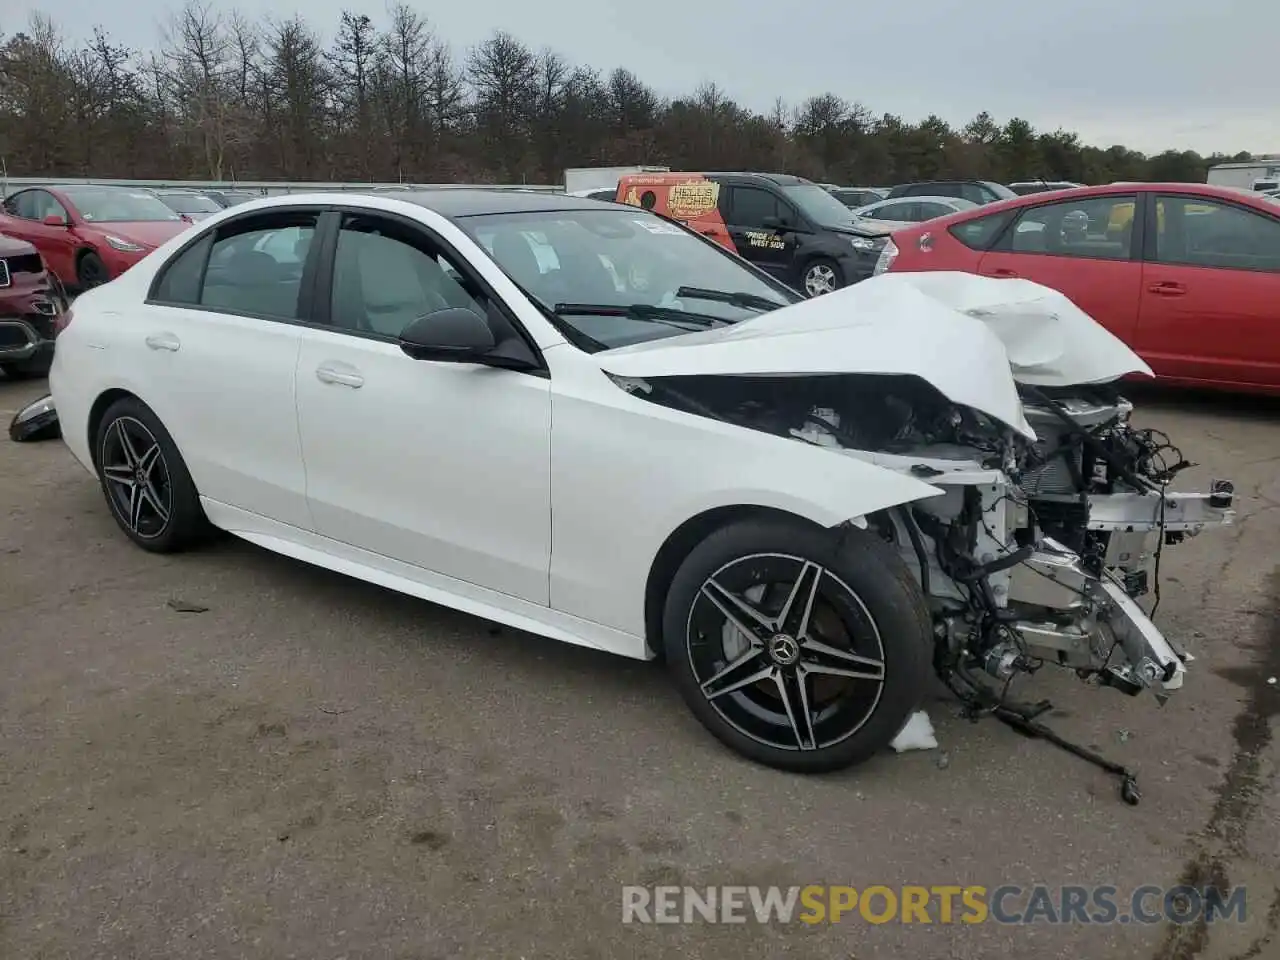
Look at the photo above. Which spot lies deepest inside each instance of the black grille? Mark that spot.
(11, 336)
(41, 324)
(27, 263)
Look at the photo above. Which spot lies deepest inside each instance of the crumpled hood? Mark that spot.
(1050, 341)
(870, 327)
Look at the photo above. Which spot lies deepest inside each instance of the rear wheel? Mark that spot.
(145, 481)
(799, 648)
(822, 276)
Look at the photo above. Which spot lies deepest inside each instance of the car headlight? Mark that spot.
(126, 246)
(863, 244)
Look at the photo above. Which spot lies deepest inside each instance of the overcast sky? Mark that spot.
(1151, 74)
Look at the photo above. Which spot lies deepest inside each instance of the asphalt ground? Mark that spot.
(231, 754)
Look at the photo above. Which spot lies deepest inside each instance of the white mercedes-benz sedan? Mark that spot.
(591, 423)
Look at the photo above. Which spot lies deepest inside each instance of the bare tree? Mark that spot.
(228, 95)
(504, 77)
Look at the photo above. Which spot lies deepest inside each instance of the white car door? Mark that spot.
(445, 466)
(219, 347)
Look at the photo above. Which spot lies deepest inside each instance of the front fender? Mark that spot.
(625, 475)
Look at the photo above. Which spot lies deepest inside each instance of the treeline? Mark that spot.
(225, 97)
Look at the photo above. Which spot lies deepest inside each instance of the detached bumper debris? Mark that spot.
(36, 421)
(916, 735)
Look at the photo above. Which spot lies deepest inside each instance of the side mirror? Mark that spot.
(773, 223)
(454, 334)
(460, 335)
(55, 220)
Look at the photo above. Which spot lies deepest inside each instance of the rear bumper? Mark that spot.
(27, 324)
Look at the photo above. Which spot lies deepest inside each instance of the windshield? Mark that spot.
(818, 205)
(112, 205)
(190, 203)
(623, 276)
(1001, 191)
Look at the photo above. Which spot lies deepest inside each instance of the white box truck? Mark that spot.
(1261, 174)
(579, 181)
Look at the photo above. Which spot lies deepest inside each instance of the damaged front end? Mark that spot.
(1037, 551)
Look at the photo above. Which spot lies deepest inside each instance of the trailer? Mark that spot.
(1260, 174)
(580, 180)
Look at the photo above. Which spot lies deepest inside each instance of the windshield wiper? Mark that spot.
(638, 311)
(748, 301)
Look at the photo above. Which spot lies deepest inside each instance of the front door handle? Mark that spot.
(1167, 288)
(1003, 272)
(340, 374)
(164, 341)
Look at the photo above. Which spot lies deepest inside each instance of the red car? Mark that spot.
(31, 305)
(1188, 275)
(90, 234)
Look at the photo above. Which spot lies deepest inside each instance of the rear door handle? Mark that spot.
(1002, 272)
(164, 341)
(340, 374)
(1167, 288)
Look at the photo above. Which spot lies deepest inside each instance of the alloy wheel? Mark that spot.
(785, 652)
(819, 279)
(137, 477)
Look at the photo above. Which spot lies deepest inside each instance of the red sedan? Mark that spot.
(1188, 275)
(89, 234)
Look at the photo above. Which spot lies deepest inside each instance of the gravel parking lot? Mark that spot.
(231, 754)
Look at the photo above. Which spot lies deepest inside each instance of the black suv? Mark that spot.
(796, 230)
(975, 191)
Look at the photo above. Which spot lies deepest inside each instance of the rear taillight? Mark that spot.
(62, 321)
(887, 256)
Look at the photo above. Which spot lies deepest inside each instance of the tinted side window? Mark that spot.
(386, 275)
(255, 266)
(973, 192)
(927, 211)
(981, 232)
(1097, 228)
(16, 204)
(1204, 233)
(179, 280)
(33, 204)
(751, 206)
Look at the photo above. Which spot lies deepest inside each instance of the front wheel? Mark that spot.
(822, 276)
(800, 648)
(91, 271)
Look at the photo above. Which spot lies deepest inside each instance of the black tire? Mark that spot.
(820, 268)
(884, 595)
(179, 523)
(23, 369)
(90, 271)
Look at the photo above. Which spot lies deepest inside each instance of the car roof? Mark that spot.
(944, 200)
(782, 179)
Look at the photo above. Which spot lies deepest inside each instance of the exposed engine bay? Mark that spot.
(1036, 552)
